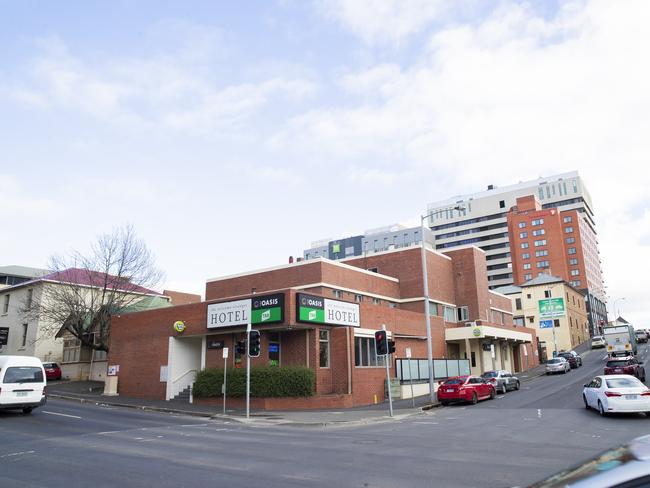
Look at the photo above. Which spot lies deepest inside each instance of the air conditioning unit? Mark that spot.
(470, 324)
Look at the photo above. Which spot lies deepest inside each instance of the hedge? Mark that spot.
(265, 382)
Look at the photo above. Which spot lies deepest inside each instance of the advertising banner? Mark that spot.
(550, 308)
(263, 309)
(319, 310)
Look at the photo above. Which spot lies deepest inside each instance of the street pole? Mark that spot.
(390, 393)
(411, 378)
(225, 376)
(248, 372)
(427, 316)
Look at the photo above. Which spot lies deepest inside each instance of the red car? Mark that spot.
(465, 389)
(52, 371)
(626, 365)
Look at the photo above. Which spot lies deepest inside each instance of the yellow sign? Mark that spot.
(179, 326)
(476, 332)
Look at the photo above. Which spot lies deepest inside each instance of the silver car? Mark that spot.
(598, 341)
(502, 380)
(557, 365)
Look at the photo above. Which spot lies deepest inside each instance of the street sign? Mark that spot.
(225, 352)
(550, 308)
(546, 324)
(4, 336)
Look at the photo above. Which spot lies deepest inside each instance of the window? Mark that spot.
(556, 323)
(349, 251)
(24, 341)
(528, 295)
(543, 264)
(573, 261)
(568, 229)
(541, 253)
(541, 242)
(30, 296)
(518, 303)
(567, 219)
(392, 305)
(524, 245)
(376, 245)
(373, 270)
(547, 293)
(358, 298)
(365, 352)
(522, 225)
(433, 309)
(539, 232)
(450, 314)
(5, 306)
(337, 293)
(473, 355)
(575, 284)
(527, 265)
(575, 272)
(463, 314)
(527, 277)
(570, 240)
(531, 320)
(71, 350)
(274, 348)
(523, 235)
(525, 255)
(572, 250)
(376, 301)
(537, 222)
(324, 348)
(406, 240)
(24, 374)
(502, 204)
(541, 193)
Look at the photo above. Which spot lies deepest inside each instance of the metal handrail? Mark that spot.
(185, 373)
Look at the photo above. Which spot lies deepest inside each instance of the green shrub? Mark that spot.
(265, 382)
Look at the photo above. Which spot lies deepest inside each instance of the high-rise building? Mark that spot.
(480, 219)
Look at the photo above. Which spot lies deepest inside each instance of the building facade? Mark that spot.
(480, 219)
(469, 323)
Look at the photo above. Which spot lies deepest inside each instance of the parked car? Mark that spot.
(465, 389)
(573, 361)
(598, 341)
(616, 393)
(22, 383)
(52, 371)
(641, 335)
(501, 380)
(626, 365)
(557, 365)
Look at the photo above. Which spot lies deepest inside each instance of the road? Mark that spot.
(513, 440)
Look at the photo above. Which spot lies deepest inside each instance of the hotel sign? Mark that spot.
(260, 310)
(319, 310)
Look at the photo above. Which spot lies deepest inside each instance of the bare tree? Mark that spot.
(83, 291)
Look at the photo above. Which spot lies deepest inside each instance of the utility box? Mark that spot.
(110, 386)
(395, 389)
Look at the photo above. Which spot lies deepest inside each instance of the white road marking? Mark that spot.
(12, 454)
(61, 414)
(539, 413)
(108, 432)
(427, 423)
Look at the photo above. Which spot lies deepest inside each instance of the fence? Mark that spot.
(419, 368)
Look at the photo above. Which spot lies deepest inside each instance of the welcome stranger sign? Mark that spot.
(264, 309)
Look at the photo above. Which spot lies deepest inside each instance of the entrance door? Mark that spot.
(183, 363)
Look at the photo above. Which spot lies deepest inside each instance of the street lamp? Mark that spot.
(425, 279)
(615, 309)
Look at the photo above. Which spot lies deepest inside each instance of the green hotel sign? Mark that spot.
(550, 308)
(319, 310)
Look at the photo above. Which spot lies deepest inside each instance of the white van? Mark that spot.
(22, 383)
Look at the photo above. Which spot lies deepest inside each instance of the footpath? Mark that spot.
(91, 392)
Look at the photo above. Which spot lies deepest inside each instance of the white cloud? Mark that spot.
(377, 21)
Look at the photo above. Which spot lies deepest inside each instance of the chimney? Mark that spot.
(290, 259)
(298, 260)
(490, 187)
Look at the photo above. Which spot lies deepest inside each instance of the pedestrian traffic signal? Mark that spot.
(381, 342)
(254, 343)
(391, 347)
(240, 347)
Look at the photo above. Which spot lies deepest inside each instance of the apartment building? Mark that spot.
(480, 219)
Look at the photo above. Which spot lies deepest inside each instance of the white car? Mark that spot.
(617, 393)
(598, 341)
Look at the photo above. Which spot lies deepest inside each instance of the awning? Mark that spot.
(486, 332)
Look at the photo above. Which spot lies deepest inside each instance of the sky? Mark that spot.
(233, 134)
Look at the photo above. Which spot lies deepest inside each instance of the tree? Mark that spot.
(83, 291)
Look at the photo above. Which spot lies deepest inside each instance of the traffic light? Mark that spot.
(391, 347)
(381, 342)
(240, 347)
(254, 343)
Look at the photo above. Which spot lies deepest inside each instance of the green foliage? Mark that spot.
(265, 382)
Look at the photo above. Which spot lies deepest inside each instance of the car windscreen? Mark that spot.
(623, 383)
(616, 364)
(554, 361)
(490, 374)
(23, 374)
(455, 381)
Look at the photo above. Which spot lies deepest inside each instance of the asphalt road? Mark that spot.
(513, 440)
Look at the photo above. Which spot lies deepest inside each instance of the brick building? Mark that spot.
(560, 243)
(322, 314)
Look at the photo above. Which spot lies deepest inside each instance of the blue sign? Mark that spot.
(545, 324)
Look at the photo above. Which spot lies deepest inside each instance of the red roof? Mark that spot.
(97, 279)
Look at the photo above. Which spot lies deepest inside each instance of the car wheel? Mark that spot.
(547, 373)
(517, 385)
(444, 403)
(584, 399)
(601, 410)
(474, 398)
(493, 393)
(505, 389)
(27, 410)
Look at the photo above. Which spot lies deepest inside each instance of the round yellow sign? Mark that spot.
(179, 326)
(476, 332)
